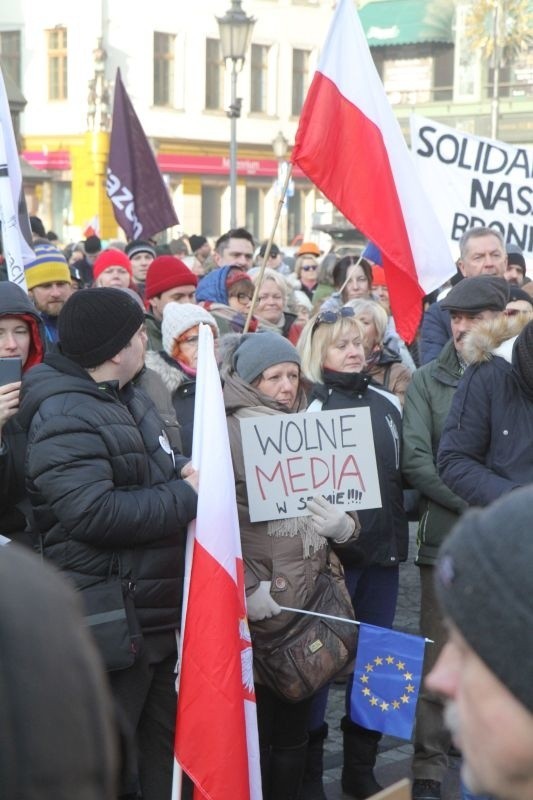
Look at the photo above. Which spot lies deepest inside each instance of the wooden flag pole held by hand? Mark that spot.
(268, 248)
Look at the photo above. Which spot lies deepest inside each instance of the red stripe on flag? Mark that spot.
(343, 153)
(210, 728)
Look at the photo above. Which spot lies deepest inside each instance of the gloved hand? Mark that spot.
(260, 605)
(330, 521)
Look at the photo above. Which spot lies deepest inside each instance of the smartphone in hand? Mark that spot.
(10, 370)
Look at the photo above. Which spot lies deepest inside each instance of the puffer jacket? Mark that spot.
(427, 404)
(102, 480)
(383, 539)
(485, 449)
(279, 559)
(15, 512)
(182, 389)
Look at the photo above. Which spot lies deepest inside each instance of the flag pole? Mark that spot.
(261, 272)
(330, 616)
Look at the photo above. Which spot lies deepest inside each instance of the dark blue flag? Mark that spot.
(388, 669)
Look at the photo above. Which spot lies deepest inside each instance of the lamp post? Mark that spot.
(235, 30)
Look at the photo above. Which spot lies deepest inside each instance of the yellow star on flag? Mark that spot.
(390, 660)
(378, 661)
(364, 678)
(366, 691)
(408, 676)
(369, 667)
(384, 706)
(395, 704)
(404, 698)
(410, 687)
(374, 701)
(400, 665)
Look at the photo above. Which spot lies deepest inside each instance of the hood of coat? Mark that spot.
(494, 337)
(167, 369)
(58, 375)
(15, 302)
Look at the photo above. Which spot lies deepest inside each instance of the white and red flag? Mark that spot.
(216, 727)
(350, 145)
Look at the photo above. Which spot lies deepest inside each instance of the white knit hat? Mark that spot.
(180, 317)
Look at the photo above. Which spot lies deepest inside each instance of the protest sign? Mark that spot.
(289, 459)
(473, 181)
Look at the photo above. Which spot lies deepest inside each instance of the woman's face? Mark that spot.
(15, 338)
(382, 295)
(308, 271)
(346, 353)
(281, 383)
(370, 340)
(115, 277)
(270, 302)
(357, 285)
(241, 300)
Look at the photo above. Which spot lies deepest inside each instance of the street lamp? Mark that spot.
(235, 30)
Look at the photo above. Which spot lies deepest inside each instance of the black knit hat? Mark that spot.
(484, 582)
(481, 293)
(96, 324)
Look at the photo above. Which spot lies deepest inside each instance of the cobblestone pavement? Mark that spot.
(394, 758)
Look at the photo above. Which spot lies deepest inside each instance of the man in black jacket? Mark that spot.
(106, 488)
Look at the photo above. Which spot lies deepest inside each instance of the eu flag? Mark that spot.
(387, 674)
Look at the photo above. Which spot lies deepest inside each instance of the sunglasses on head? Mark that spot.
(330, 317)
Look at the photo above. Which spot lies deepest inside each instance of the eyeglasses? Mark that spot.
(242, 297)
(330, 317)
(189, 340)
(309, 267)
(512, 312)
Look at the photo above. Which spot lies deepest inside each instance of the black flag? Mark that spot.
(141, 202)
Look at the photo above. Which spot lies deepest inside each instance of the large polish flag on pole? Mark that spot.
(350, 145)
(216, 726)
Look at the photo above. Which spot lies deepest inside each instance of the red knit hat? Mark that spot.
(111, 258)
(167, 272)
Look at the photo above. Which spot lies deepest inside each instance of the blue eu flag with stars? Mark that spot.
(386, 681)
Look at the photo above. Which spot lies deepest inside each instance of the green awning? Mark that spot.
(398, 22)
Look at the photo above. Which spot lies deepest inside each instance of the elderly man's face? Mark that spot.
(484, 255)
(491, 727)
(462, 323)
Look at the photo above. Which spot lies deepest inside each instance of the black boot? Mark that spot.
(312, 786)
(360, 750)
(286, 769)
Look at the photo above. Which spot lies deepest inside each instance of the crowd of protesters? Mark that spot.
(96, 438)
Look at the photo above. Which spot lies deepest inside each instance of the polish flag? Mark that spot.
(216, 726)
(349, 144)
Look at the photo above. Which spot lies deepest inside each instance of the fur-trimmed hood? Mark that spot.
(494, 337)
(167, 369)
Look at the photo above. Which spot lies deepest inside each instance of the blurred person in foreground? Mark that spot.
(484, 585)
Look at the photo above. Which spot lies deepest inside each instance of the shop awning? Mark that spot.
(400, 22)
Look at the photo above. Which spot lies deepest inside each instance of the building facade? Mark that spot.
(64, 60)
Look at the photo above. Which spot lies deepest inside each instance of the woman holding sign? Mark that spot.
(283, 558)
(333, 358)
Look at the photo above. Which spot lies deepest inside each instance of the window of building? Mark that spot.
(295, 209)
(10, 55)
(253, 211)
(57, 64)
(259, 79)
(211, 210)
(214, 75)
(300, 79)
(164, 47)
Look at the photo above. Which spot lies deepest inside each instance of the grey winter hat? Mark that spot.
(484, 583)
(482, 293)
(259, 351)
(179, 318)
(96, 324)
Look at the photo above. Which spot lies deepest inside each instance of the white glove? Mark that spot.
(260, 605)
(330, 521)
